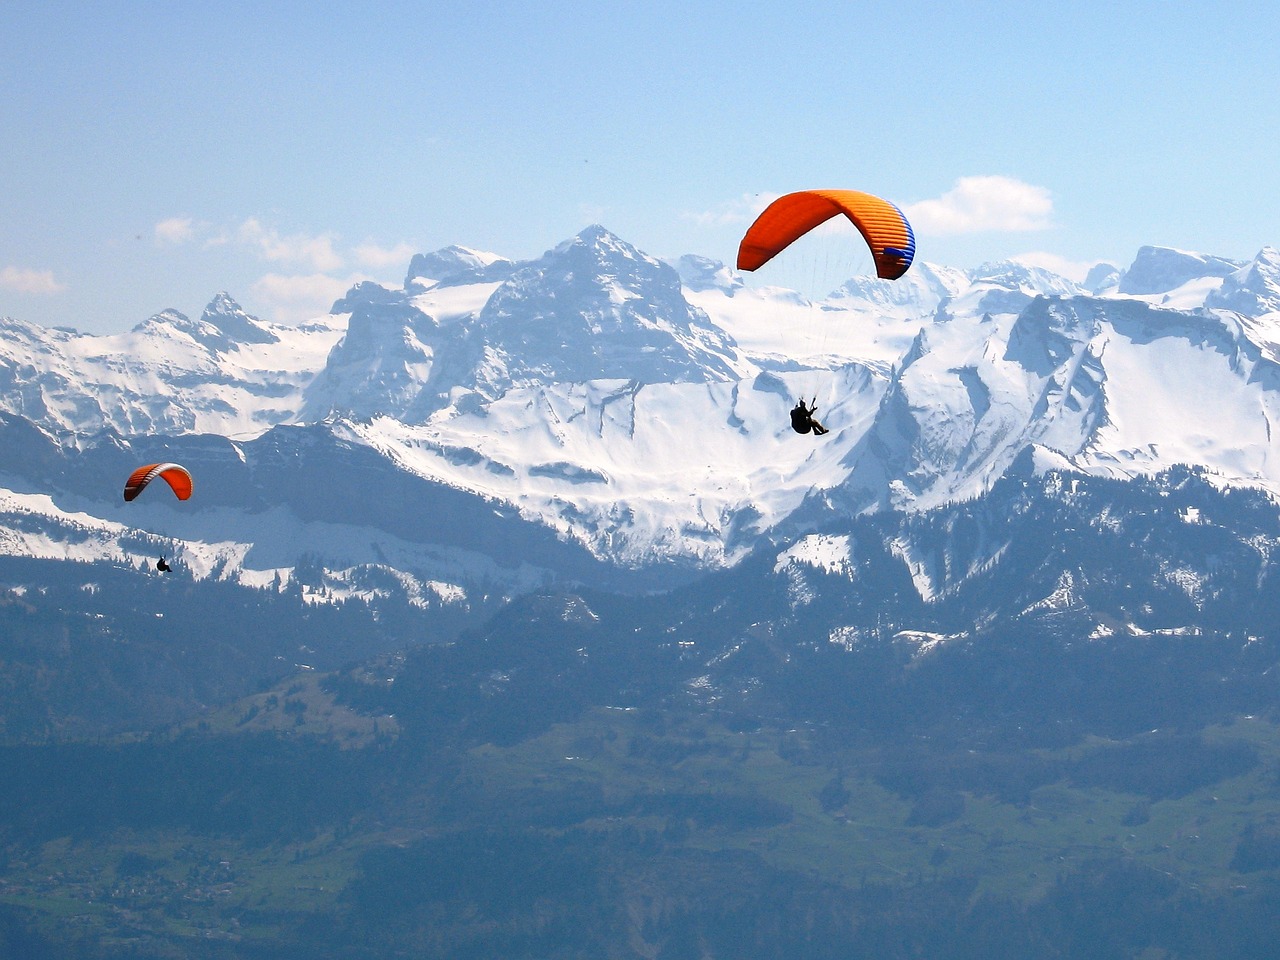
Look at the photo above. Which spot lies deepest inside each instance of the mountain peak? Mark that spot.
(382, 363)
(366, 293)
(1162, 269)
(170, 322)
(1102, 276)
(222, 326)
(597, 233)
(1019, 275)
(168, 317)
(926, 285)
(222, 302)
(602, 243)
(595, 307)
(1254, 289)
(455, 265)
(703, 273)
(227, 316)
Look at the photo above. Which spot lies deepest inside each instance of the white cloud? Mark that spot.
(739, 211)
(24, 280)
(375, 257)
(310, 277)
(294, 298)
(978, 204)
(321, 252)
(175, 230)
(316, 251)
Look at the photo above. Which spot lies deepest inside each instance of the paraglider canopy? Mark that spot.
(882, 225)
(174, 474)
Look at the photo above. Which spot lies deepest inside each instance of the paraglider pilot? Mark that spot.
(802, 418)
(162, 566)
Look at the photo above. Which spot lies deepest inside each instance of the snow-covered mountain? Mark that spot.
(594, 308)
(226, 373)
(601, 415)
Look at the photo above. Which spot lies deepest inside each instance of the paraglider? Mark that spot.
(802, 418)
(787, 219)
(174, 474)
(162, 566)
(881, 224)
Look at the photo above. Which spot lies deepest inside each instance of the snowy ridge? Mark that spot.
(637, 473)
(636, 410)
(226, 373)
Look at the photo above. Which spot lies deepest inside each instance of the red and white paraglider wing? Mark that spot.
(174, 474)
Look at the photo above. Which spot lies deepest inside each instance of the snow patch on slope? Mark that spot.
(830, 554)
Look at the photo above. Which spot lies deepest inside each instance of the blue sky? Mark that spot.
(153, 154)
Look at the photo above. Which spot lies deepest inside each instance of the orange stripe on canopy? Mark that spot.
(788, 218)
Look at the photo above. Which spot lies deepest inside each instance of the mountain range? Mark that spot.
(598, 415)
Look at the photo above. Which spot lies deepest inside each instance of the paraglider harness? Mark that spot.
(802, 418)
(162, 566)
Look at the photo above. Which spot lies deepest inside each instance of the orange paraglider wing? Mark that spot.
(174, 474)
(882, 225)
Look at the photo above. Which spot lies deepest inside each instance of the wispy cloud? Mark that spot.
(380, 258)
(294, 298)
(982, 204)
(739, 211)
(320, 252)
(312, 270)
(315, 251)
(25, 280)
(176, 230)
